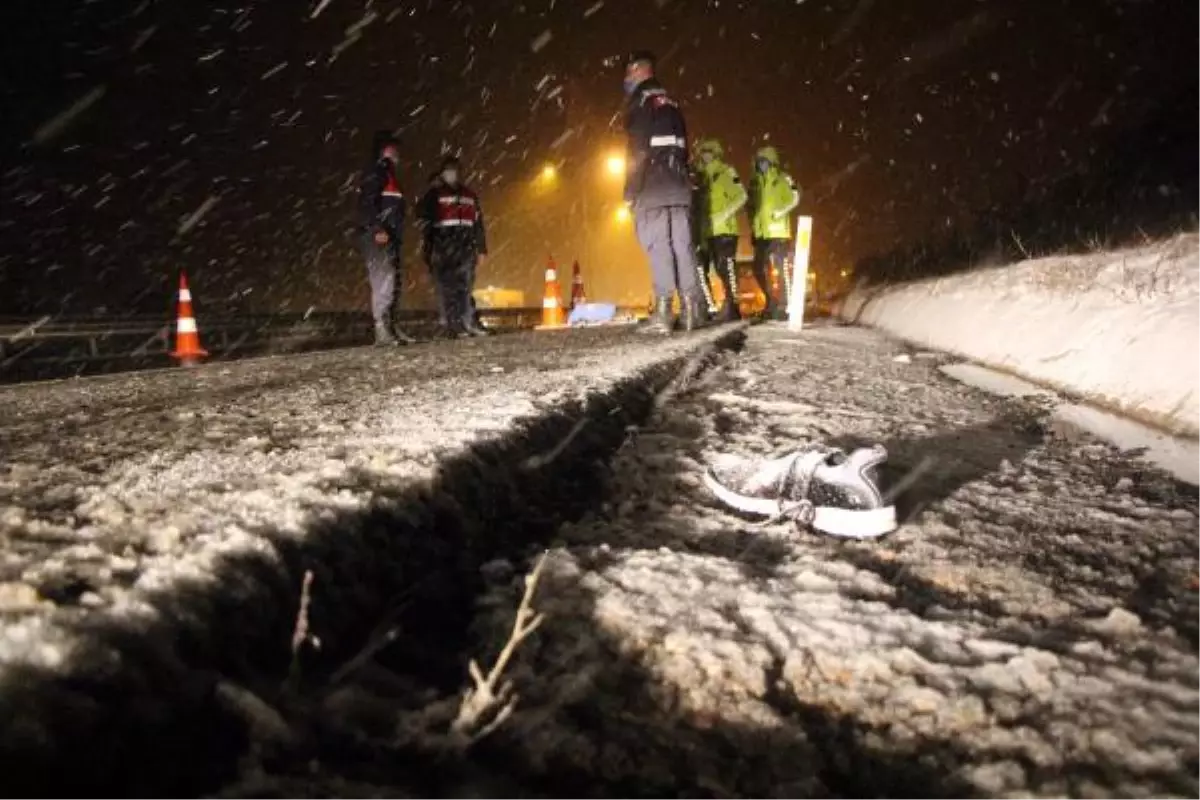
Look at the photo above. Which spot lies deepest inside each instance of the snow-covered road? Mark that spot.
(117, 486)
(1030, 628)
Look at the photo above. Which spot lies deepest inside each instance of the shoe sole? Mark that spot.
(840, 522)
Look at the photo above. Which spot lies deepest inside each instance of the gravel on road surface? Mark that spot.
(1030, 629)
(155, 527)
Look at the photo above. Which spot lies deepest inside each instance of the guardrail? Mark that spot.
(33, 349)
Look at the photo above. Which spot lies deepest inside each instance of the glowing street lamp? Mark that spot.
(549, 173)
(615, 165)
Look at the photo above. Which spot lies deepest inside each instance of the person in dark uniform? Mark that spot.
(454, 245)
(439, 300)
(381, 216)
(659, 191)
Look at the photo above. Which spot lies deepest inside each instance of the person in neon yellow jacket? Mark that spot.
(724, 197)
(773, 198)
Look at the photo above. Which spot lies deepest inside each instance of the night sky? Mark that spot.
(902, 121)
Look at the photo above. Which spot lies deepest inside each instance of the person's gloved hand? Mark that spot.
(382, 237)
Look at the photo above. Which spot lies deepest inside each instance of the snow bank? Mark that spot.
(1118, 328)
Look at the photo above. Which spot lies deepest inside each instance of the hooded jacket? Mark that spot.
(723, 192)
(656, 149)
(774, 196)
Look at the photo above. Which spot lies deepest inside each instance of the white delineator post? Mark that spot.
(799, 273)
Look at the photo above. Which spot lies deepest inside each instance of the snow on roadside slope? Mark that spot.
(1176, 454)
(1121, 329)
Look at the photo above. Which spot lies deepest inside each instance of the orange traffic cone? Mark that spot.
(187, 338)
(578, 297)
(552, 310)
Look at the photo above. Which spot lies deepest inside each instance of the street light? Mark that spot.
(615, 165)
(549, 172)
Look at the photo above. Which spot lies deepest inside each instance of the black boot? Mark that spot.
(695, 313)
(475, 327)
(383, 335)
(730, 311)
(400, 336)
(661, 321)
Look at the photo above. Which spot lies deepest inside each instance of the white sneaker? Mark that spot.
(818, 486)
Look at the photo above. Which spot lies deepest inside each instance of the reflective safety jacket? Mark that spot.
(453, 220)
(774, 196)
(380, 200)
(725, 197)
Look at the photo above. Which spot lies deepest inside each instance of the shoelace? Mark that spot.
(798, 475)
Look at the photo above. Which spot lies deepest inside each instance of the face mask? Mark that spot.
(450, 176)
(629, 84)
(763, 165)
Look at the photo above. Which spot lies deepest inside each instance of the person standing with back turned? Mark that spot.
(658, 188)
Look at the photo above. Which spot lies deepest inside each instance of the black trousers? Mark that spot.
(778, 251)
(722, 259)
(454, 271)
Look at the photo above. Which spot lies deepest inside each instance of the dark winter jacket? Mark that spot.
(380, 200)
(657, 149)
(452, 220)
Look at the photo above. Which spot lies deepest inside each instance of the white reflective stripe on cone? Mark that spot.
(186, 325)
(450, 223)
(551, 274)
(549, 302)
(185, 295)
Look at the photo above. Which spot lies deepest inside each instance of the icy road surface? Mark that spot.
(116, 486)
(1030, 629)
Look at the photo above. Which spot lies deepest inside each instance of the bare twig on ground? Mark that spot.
(300, 631)
(490, 697)
(384, 634)
(541, 460)
(1020, 245)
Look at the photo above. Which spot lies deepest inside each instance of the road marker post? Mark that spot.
(800, 273)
